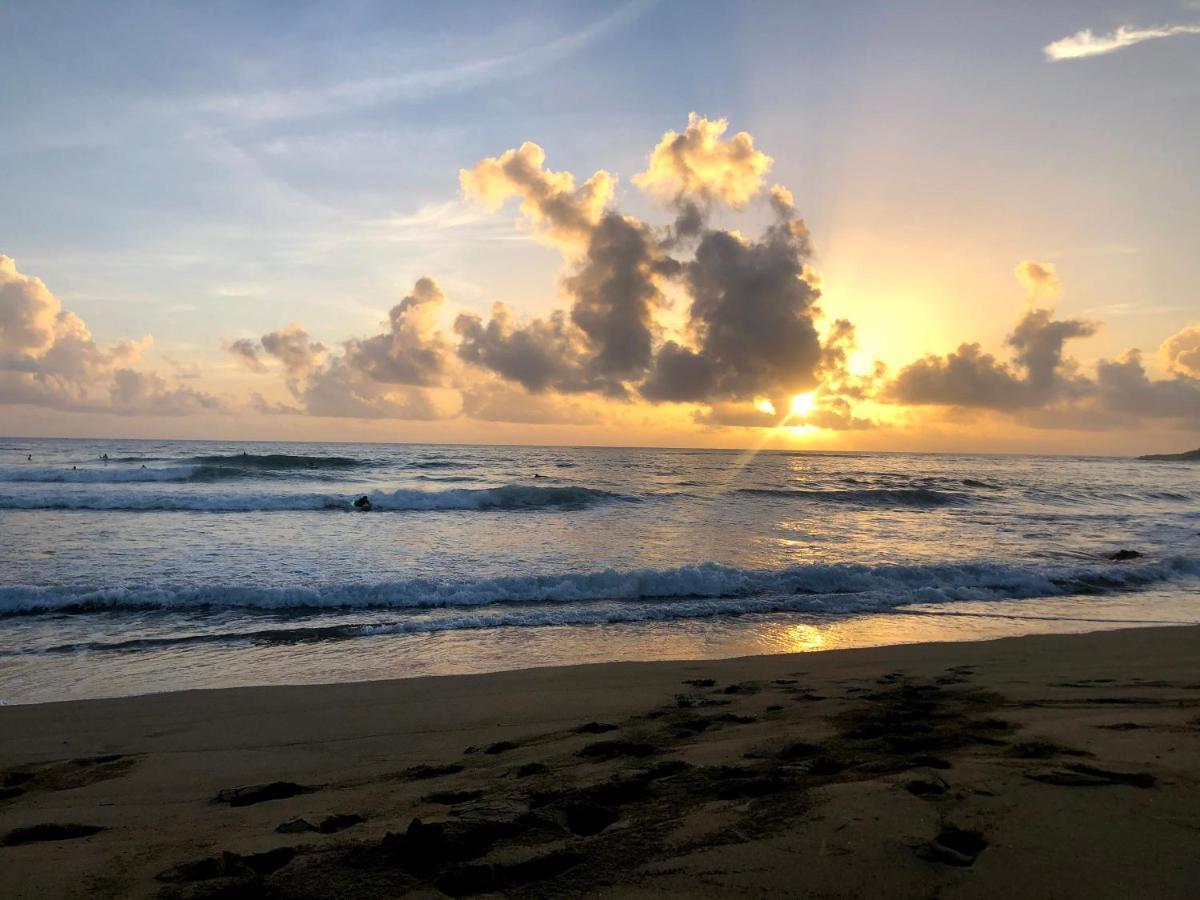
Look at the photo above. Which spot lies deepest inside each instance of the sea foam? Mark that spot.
(703, 589)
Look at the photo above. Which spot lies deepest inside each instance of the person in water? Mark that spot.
(105, 457)
(363, 503)
(30, 457)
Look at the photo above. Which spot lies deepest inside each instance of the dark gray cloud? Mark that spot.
(1044, 388)
(616, 264)
(410, 351)
(380, 376)
(1039, 373)
(1124, 388)
(540, 355)
(751, 318)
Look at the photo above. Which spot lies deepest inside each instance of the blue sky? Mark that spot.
(213, 171)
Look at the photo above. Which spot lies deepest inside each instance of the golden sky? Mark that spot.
(883, 279)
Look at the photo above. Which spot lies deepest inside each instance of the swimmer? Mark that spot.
(363, 503)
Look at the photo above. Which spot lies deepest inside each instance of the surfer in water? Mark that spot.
(363, 503)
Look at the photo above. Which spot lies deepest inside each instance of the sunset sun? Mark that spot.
(803, 404)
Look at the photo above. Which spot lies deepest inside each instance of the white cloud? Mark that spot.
(1084, 43)
(48, 358)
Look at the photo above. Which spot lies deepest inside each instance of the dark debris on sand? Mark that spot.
(260, 793)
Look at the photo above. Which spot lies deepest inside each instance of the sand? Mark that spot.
(1046, 766)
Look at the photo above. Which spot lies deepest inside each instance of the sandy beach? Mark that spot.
(1056, 766)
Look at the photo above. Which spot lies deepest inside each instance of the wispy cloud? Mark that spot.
(368, 92)
(1084, 43)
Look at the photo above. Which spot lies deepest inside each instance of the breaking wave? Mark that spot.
(866, 497)
(508, 497)
(707, 589)
(281, 461)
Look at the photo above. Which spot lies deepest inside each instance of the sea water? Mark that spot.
(183, 564)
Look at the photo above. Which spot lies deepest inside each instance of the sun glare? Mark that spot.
(803, 404)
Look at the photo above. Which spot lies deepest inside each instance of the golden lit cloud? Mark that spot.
(1037, 278)
(699, 164)
(1084, 43)
(49, 359)
(564, 214)
(1181, 352)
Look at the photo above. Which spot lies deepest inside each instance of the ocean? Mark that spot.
(196, 564)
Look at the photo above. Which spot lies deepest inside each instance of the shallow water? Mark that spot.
(201, 564)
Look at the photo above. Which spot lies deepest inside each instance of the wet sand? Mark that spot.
(1047, 766)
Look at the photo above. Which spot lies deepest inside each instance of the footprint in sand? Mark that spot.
(35, 834)
(63, 775)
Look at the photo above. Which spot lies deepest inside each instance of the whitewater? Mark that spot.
(136, 566)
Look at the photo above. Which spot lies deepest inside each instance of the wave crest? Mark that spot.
(281, 461)
(507, 497)
(866, 497)
(703, 589)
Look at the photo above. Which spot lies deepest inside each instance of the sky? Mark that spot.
(877, 226)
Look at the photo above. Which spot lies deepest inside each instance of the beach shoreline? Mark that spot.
(1049, 765)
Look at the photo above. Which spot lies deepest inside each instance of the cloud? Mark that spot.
(1181, 352)
(31, 318)
(341, 390)
(616, 264)
(564, 214)
(422, 82)
(737, 415)
(540, 355)
(698, 165)
(48, 358)
(133, 392)
(291, 345)
(246, 351)
(410, 351)
(1084, 43)
(751, 319)
(1037, 278)
(751, 303)
(379, 376)
(1038, 374)
(1043, 388)
(1126, 390)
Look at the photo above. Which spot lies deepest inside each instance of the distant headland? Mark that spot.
(1187, 456)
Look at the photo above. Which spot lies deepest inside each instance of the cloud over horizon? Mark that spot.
(48, 358)
(1046, 388)
(679, 319)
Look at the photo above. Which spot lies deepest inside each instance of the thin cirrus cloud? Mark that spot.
(1085, 43)
(372, 91)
